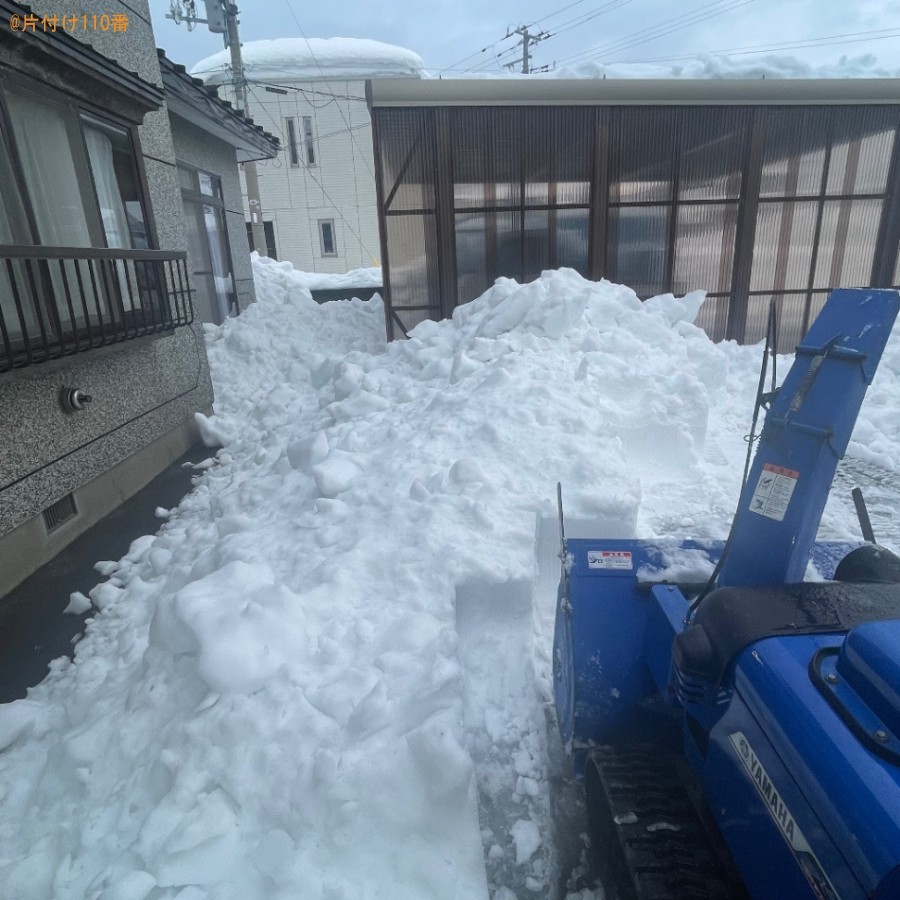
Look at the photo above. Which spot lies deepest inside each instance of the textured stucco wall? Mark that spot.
(142, 389)
(197, 148)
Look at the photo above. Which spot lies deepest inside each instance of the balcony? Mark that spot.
(58, 301)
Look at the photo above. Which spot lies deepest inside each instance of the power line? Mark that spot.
(321, 187)
(661, 29)
(562, 29)
(316, 61)
(799, 44)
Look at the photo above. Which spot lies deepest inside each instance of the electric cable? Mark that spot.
(661, 29)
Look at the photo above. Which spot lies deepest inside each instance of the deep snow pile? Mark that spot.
(333, 657)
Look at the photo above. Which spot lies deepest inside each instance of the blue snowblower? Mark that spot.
(740, 736)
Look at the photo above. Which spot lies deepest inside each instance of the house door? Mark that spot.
(204, 216)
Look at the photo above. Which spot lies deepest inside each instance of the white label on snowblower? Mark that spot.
(773, 492)
(609, 559)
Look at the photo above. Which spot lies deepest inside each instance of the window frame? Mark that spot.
(309, 141)
(334, 250)
(293, 152)
(45, 299)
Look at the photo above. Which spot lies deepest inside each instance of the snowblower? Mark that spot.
(740, 735)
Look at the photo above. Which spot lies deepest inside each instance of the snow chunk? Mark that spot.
(78, 604)
(527, 837)
(334, 476)
(307, 452)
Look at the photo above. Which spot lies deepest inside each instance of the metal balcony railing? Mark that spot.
(56, 301)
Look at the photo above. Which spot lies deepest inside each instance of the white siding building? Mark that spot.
(318, 194)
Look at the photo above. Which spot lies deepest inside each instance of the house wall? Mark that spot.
(198, 149)
(340, 186)
(145, 392)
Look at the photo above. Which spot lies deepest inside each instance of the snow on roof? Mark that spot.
(731, 67)
(299, 59)
(707, 67)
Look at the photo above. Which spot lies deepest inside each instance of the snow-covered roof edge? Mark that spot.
(316, 59)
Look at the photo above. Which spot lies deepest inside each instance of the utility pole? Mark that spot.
(527, 40)
(221, 18)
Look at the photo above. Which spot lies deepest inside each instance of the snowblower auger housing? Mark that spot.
(774, 703)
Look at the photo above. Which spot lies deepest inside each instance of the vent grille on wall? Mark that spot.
(60, 512)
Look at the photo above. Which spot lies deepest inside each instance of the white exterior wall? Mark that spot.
(340, 186)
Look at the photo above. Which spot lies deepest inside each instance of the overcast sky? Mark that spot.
(445, 32)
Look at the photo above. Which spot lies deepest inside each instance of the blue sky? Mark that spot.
(453, 33)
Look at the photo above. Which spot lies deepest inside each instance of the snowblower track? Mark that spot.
(650, 843)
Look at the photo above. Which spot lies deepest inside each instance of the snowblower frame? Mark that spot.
(780, 698)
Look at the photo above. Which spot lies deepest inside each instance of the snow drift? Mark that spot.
(325, 676)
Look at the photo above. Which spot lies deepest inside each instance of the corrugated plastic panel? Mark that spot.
(637, 247)
(847, 243)
(782, 253)
(704, 247)
(794, 154)
(712, 142)
(638, 171)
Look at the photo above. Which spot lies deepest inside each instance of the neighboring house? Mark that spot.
(749, 189)
(318, 195)
(210, 138)
(95, 287)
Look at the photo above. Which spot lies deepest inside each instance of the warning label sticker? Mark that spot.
(609, 559)
(773, 491)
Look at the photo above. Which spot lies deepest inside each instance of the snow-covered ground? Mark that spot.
(355, 278)
(326, 676)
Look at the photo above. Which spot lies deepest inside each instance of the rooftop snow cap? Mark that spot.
(299, 59)
(729, 67)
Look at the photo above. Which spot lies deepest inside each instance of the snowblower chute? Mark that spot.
(743, 734)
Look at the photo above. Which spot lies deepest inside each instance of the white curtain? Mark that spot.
(112, 207)
(39, 129)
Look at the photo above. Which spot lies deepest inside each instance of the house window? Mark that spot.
(326, 237)
(308, 140)
(290, 126)
(69, 179)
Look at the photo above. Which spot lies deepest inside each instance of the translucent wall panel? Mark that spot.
(704, 247)
(711, 148)
(472, 158)
(847, 243)
(782, 254)
(508, 228)
(862, 141)
(413, 266)
(536, 249)
(794, 154)
(572, 239)
(713, 317)
(406, 148)
(471, 255)
(641, 161)
(637, 247)
(790, 310)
